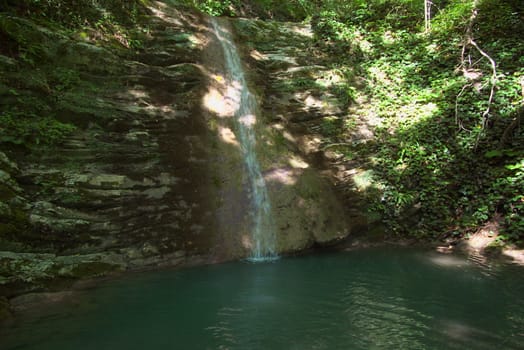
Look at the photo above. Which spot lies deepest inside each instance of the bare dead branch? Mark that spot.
(331, 145)
(493, 79)
(466, 65)
(457, 119)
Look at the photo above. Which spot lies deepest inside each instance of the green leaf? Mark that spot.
(493, 153)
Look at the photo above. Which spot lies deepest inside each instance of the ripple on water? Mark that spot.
(373, 299)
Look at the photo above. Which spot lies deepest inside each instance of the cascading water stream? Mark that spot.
(245, 105)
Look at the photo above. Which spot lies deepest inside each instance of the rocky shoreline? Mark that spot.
(68, 292)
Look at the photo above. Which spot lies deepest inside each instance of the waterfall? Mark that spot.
(263, 228)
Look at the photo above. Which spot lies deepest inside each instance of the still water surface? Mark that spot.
(368, 299)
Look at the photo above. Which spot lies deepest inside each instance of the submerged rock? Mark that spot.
(25, 272)
(35, 300)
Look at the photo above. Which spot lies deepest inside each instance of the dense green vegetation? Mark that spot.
(33, 87)
(446, 103)
(448, 156)
(294, 10)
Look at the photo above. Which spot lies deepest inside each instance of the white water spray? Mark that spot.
(263, 229)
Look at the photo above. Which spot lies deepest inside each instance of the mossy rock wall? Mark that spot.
(137, 172)
(129, 179)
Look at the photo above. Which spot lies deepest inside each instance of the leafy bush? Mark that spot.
(79, 13)
(215, 7)
(296, 10)
(32, 130)
(508, 191)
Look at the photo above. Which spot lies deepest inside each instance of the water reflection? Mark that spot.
(448, 260)
(373, 299)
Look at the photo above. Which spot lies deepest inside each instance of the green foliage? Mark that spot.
(32, 130)
(438, 164)
(211, 7)
(298, 83)
(296, 10)
(22, 40)
(215, 7)
(330, 126)
(78, 13)
(509, 192)
(115, 21)
(33, 89)
(370, 15)
(65, 78)
(451, 18)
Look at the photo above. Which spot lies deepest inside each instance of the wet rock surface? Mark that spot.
(304, 101)
(151, 176)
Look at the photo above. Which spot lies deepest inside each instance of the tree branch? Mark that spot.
(336, 145)
(493, 79)
(457, 119)
(466, 66)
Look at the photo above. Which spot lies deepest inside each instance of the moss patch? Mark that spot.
(5, 310)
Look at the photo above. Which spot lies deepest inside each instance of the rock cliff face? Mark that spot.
(130, 187)
(304, 206)
(152, 176)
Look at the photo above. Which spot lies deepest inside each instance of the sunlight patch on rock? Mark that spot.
(228, 136)
(298, 163)
(283, 176)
